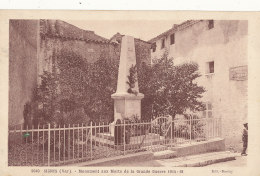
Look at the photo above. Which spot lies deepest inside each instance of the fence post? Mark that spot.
(64, 138)
(171, 130)
(124, 137)
(207, 126)
(21, 133)
(72, 141)
(54, 144)
(82, 142)
(190, 127)
(49, 143)
(68, 143)
(26, 143)
(91, 140)
(38, 137)
(151, 133)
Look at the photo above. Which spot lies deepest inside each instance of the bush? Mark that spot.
(195, 131)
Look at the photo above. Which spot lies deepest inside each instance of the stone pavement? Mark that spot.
(199, 160)
(240, 161)
(206, 159)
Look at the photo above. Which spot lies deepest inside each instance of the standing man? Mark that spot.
(245, 139)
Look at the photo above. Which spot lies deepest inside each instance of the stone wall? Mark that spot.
(91, 51)
(57, 35)
(212, 145)
(22, 66)
(142, 49)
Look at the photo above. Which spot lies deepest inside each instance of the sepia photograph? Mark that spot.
(129, 93)
(139, 93)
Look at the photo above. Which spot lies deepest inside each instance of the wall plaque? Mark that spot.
(238, 73)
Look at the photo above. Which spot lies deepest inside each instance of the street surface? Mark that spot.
(240, 161)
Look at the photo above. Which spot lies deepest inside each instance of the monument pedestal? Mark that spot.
(126, 106)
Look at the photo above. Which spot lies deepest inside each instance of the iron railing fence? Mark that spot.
(52, 146)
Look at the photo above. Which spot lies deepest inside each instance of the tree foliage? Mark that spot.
(170, 89)
(77, 91)
(102, 81)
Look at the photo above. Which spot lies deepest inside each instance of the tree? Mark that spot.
(76, 91)
(46, 98)
(170, 89)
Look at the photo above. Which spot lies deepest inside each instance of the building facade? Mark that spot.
(34, 43)
(220, 49)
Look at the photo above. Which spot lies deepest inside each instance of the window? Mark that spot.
(208, 113)
(154, 47)
(163, 43)
(172, 39)
(210, 67)
(211, 24)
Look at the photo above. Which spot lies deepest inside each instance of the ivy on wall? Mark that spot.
(76, 91)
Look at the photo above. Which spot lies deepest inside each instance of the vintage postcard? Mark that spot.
(129, 93)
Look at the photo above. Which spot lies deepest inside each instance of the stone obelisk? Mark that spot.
(126, 104)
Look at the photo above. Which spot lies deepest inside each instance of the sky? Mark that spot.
(142, 29)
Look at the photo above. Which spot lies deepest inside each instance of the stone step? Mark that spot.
(164, 154)
(148, 137)
(198, 160)
(118, 160)
(152, 142)
(156, 148)
(105, 136)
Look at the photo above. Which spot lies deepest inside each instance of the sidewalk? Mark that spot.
(240, 161)
(207, 159)
(199, 160)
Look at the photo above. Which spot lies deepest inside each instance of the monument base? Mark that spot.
(126, 106)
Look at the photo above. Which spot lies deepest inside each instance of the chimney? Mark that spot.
(174, 25)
